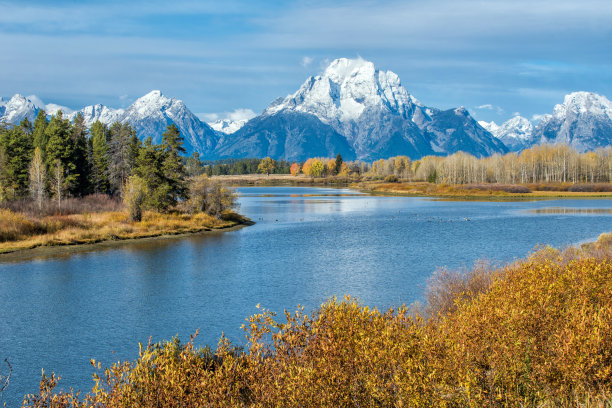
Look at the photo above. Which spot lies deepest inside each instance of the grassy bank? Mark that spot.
(535, 333)
(247, 180)
(485, 191)
(19, 231)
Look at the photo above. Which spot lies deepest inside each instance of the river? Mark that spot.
(307, 245)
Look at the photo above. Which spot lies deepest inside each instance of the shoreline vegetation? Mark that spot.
(64, 184)
(425, 189)
(21, 234)
(533, 333)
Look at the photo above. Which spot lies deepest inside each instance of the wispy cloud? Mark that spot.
(236, 115)
(306, 61)
(490, 107)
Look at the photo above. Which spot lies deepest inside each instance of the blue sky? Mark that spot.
(494, 57)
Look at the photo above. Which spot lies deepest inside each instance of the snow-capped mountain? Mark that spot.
(16, 109)
(583, 121)
(94, 113)
(148, 115)
(227, 126)
(375, 114)
(152, 113)
(515, 133)
(20, 107)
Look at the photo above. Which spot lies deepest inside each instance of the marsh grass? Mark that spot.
(493, 191)
(18, 231)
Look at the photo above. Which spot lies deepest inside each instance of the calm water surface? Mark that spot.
(308, 245)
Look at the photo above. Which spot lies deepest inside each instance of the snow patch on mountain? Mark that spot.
(227, 126)
(515, 133)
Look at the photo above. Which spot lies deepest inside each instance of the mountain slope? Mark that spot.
(284, 135)
(455, 130)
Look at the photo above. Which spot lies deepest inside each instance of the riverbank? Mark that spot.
(423, 189)
(25, 237)
(481, 191)
(250, 180)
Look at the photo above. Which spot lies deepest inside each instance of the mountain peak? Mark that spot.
(584, 103)
(346, 90)
(342, 69)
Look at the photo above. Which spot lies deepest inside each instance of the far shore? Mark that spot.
(492, 192)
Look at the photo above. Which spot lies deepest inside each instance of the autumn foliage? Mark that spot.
(536, 333)
(295, 169)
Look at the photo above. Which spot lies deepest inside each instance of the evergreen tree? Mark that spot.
(60, 148)
(194, 166)
(172, 165)
(121, 155)
(26, 126)
(82, 174)
(39, 133)
(99, 158)
(149, 164)
(17, 147)
(338, 167)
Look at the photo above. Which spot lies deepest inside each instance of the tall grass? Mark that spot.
(72, 205)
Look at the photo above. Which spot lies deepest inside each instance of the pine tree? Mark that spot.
(121, 155)
(81, 184)
(172, 165)
(149, 169)
(99, 158)
(194, 166)
(17, 148)
(39, 135)
(26, 126)
(338, 168)
(60, 148)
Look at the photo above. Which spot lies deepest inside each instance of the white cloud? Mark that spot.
(306, 61)
(516, 114)
(538, 117)
(237, 115)
(488, 106)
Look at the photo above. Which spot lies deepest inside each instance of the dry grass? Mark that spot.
(18, 231)
(282, 179)
(70, 205)
(496, 191)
